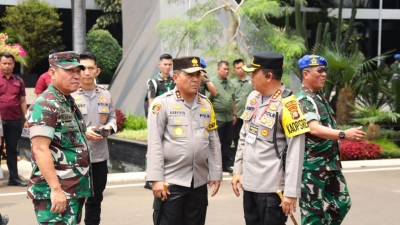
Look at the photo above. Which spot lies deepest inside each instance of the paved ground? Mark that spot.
(375, 193)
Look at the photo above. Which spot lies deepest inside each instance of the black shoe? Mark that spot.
(227, 169)
(148, 185)
(16, 182)
(3, 220)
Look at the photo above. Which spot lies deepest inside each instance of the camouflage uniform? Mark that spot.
(322, 179)
(164, 85)
(56, 116)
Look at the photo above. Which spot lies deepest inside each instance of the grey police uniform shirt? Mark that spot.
(97, 110)
(258, 163)
(183, 142)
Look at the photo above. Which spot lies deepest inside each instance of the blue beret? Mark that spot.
(203, 63)
(312, 60)
(397, 56)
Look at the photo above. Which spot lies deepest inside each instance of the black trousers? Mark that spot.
(236, 131)
(184, 206)
(225, 132)
(12, 130)
(93, 204)
(263, 209)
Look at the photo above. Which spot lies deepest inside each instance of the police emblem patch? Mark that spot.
(263, 120)
(205, 123)
(264, 132)
(178, 131)
(253, 102)
(156, 108)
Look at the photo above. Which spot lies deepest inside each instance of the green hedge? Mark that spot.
(135, 122)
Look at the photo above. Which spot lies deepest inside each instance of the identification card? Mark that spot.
(252, 134)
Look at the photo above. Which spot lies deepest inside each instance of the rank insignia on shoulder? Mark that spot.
(178, 131)
(156, 108)
(178, 95)
(264, 132)
(253, 102)
(80, 89)
(177, 107)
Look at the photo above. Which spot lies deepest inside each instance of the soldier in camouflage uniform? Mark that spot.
(322, 179)
(395, 67)
(61, 176)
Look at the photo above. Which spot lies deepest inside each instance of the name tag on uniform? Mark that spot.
(252, 134)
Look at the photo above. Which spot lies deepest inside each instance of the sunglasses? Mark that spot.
(320, 70)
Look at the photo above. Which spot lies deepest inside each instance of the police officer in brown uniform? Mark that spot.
(271, 145)
(183, 148)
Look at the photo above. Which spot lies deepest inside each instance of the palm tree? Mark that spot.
(78, 8)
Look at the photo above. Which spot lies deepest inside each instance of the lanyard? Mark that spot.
(274, 97)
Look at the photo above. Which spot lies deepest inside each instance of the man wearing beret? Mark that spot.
(61, 177)
(322, 179)
(271, 145)
(395, 67)
(183, 148)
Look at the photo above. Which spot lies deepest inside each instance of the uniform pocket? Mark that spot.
(177, 126)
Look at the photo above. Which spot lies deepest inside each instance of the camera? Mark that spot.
(104, 133)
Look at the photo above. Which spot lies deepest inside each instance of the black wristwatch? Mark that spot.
(341, 134)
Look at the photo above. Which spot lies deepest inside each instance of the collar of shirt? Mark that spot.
(161, 78)
(245, 80)
(60, 96)
(2, 75)
(222, 81)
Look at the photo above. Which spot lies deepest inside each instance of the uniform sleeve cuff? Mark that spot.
(312, 116)
(41, 130)
(238, 169)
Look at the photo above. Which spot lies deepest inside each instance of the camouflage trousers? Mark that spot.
(320, 186)
(71, 216)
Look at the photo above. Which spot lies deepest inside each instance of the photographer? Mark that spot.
(97, 108)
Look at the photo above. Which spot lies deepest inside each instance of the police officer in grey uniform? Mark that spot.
(271, 145)
(97, 108)
(183, 148)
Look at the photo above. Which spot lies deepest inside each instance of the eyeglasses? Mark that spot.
(320, 70)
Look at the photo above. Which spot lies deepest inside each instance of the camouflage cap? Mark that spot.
(65, 60)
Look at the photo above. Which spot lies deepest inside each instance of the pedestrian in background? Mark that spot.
(44, 80)
(206, 84)
(96, 106)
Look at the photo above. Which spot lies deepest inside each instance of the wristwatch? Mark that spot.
(341, 134)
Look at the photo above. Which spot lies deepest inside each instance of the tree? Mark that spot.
(200, 27)
(79, 25)
(112, 13)
(37, 22)
(108, 51)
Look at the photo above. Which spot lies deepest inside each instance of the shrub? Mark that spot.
(135, 122)
(359, 150)
(120, 119)
(108, 51)
(389, 148)
(140, 135)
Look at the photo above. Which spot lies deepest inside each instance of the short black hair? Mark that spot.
(165, 56)
(7, 55)
(89, 55)
(276, 73)
(237, 61)
(222, 62)
(52, 51)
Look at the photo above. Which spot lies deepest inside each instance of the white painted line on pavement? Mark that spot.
(225, 179)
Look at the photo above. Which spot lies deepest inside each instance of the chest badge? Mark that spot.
(177, 107)
(103, 119)
(204, 110)
(253, 102)
(205, 123)
(104, 109)
(264, 132)
(263, 120)
(178, 120)
(156, 108)
(273, 107)
(178, 131)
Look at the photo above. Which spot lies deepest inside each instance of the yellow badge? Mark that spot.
(293, 120)
(264, 132)
(77, 97)
(314, 61)
(263, 120)
(177, 107)
(104, 109)
(101, 96)
(204, 110)
(270, 123)
(253, 102)
(178, 120)
(205, 123)
(206, 133)
(178, 131)
(246, 116)
(195, 62)
(103, 119)
(156, 108)
(273, 107)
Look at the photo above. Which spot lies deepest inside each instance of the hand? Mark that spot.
(217, 183)
(91, 135)
(288, 205)
(58, 201)
(26, 124)
(158, 190)
(237, 182)
(234, 120)
(354, 134)
(106, 127)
